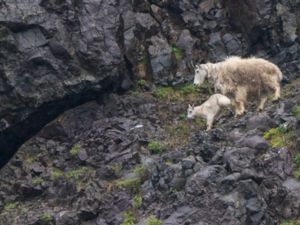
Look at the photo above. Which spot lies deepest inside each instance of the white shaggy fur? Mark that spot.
(209, 109)
(242, 78)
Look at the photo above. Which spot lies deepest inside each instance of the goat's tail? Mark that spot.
(280, 77)
(279, 74)
(223, 100)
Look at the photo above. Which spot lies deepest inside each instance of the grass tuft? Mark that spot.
(75, 150)
(155, 147)
(129, 219)
(178, 53)
(77, 173)
(11, 206)
(152, 220)
(296, 111)
(280, 137)
(46, 218)
(37, 181)
(137, 201)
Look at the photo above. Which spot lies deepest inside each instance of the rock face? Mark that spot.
(91, 164)
(56, 55)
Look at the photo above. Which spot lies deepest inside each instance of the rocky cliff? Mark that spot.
(92, 163)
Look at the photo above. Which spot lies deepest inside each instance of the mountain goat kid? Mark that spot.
(209, 109)
(242, 78)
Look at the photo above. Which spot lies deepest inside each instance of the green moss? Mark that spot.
(155, 147)
(140, 171)
(37, 181)
(56, 174)
(129, 183)
(75, 150)
(279, 137)
(287, 223)
(296, 111)
(178, 53)
(77, 173)
(117, 168)
(11, 205)
(46, 218)
(152, 220)
(164, 92)
(135, 93)
(182, 116)
(188, 89)
(297, 160)
(137, 201)
(129, 219)
(297, 173)
(142, 83)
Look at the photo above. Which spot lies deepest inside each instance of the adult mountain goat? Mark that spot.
(241, 79)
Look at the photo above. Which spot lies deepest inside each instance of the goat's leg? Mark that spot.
(209, 122)
(236, 108)
(240, 98)
(277, 93)
(262, 102)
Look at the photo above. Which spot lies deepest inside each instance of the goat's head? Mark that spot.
(200, 74)
(190, 111)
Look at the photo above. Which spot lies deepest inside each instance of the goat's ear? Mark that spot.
(193, 106)
(189, 106)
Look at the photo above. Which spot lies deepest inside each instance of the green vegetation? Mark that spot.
(57, 173)
(287, 223)
(129, 183)
(155, 147)
(75, 149)
(129, 219)
(72, 174)
(37, 181)
(182, 93)
(139, 171)
(164, 93)
(296, 111)
(142, 83)
(182, 116)
(152, 220)
(279, 137)
(117, 168)
(297, 162)
(188, 89)
(77, 173)
(178, 53)
(46, 218)
(11, 205)
(133, 182)
(137, 201)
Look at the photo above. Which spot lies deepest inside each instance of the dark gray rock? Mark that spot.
(261, 121)
(255, 142)
(239, 159)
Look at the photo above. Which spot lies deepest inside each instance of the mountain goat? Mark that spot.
(242, 78)
(209, 109)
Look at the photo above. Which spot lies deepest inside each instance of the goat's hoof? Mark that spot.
(276, 99)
